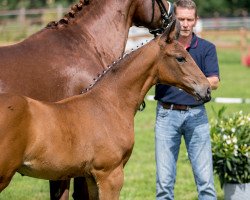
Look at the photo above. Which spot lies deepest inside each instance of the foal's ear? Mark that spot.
(172, 31)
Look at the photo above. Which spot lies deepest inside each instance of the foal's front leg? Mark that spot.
(10, 163)
(11, 158)
(8, 166)
(5, 180)
(110, 183)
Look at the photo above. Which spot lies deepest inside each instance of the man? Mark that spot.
(178, 113)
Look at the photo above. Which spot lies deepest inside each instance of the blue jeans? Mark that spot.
(169, 128)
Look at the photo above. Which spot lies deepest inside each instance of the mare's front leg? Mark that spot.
(59, 190)
(110, 183)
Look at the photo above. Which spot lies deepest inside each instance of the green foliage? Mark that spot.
(230, 136)
(208, 8)
(204, 7)
(215, 8)
(16, 4)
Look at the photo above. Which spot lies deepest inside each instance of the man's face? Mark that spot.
(187, 20)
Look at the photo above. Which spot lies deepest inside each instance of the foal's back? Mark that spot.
(13, 109)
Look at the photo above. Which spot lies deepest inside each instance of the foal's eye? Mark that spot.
(181, 59)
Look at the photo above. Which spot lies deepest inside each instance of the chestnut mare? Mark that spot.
(64, 57)
(92, 134)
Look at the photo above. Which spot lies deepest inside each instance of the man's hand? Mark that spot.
(214, 82)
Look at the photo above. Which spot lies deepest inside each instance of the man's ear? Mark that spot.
(172, 31)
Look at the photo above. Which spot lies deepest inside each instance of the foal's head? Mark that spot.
(176, 67)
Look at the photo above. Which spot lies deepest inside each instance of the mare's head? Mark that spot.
(176, 66)
(153, 14)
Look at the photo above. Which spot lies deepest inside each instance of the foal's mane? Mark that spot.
(75, 9)
(113, 67)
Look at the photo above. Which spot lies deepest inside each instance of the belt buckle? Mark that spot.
(180, 107)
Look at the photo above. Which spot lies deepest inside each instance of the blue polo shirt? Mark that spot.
(204, 54)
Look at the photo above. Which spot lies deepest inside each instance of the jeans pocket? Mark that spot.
(162, 112)
(199, 114)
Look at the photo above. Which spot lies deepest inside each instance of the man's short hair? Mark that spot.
(189, 4)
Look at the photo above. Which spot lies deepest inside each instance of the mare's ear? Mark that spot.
(172, 31)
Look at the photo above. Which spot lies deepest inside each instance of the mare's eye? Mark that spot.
(181, 59)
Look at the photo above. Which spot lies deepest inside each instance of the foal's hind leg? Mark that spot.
(110, 184)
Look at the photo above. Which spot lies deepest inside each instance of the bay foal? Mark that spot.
(65, 56)
(92, 134)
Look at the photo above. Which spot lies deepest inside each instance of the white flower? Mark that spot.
(236, 147)
(228, 141)
(246, 154)
(233, 130)
(242, 122)
(224, 137)
(235, 153)
(234, 140)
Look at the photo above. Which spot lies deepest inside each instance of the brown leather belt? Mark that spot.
(175, 106)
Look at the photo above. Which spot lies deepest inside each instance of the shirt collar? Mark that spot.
(194, 42)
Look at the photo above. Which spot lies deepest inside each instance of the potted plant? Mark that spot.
(230, 138)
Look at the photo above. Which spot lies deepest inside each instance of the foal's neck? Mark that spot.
(131, 78)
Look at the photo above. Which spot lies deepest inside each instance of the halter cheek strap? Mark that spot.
(165, 15)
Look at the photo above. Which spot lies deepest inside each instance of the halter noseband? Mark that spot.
(165, 15)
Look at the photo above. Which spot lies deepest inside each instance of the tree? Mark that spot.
(206, 8)
(15, 4)
(216, 8)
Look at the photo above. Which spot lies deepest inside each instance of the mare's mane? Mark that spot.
(75, 9)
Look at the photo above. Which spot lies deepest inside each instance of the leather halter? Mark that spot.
(166, 16)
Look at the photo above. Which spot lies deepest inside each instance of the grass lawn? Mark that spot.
(140, 170)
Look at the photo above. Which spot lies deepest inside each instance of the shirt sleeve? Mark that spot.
(211, 61)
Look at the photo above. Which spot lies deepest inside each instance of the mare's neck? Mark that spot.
(106, 24)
